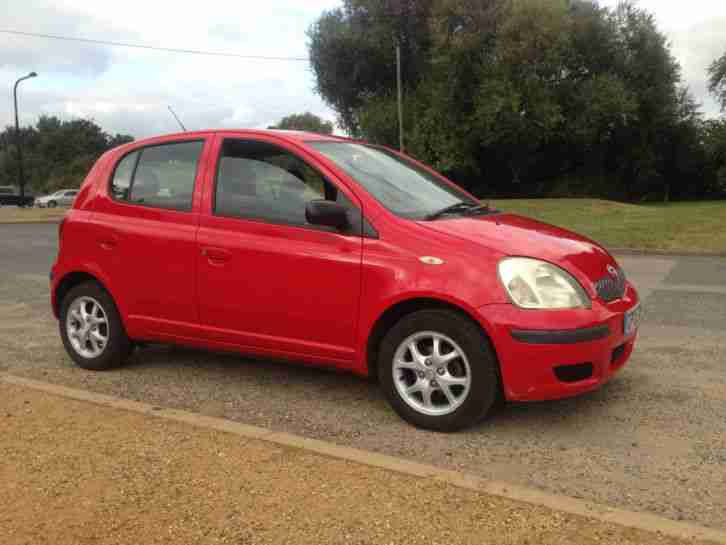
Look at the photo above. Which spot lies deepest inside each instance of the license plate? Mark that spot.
(632, 319)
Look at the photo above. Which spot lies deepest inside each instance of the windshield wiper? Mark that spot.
(462, 206)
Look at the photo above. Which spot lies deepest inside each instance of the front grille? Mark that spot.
(610, 288)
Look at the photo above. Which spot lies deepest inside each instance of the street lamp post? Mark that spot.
(18, 137)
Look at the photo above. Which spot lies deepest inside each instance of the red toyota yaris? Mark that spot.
(336, 252)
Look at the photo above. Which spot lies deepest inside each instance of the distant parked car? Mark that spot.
(63, 197)
(321, 249)
(9, 197)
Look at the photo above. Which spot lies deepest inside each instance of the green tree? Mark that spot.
(652, 73)
(304, 122)
(528, 97)
(353, 51)
(717, 80)
(56, 153)
(517, 108)
(714, 137)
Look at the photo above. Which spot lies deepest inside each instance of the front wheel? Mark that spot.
(52, 204)
(91, 328)
(438, 370)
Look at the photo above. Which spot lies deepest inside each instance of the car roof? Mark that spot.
(296, 136)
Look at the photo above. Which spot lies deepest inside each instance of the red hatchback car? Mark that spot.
(336, 252)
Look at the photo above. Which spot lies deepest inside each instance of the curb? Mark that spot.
(641, 521)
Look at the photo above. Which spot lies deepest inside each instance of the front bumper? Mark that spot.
(561, 353)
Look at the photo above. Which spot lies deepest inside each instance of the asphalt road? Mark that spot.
(654, 439)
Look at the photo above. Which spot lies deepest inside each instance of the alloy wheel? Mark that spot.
(431, 373)
(87, 327)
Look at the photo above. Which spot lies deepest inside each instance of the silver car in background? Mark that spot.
(63, 197)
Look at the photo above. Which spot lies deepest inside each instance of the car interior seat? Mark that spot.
(146, 185)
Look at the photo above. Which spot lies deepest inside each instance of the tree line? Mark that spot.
(524, 97)
(56, 154)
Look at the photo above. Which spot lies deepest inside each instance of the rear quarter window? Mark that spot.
(121, 182)
(161, 176)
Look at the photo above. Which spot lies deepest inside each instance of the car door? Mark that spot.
(267, 279)
(145, 228)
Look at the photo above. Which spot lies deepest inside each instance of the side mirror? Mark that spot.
(327, 213)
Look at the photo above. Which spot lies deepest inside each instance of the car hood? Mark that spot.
(514, 235)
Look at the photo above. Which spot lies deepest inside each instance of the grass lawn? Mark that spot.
(12, 214)
(690, 226)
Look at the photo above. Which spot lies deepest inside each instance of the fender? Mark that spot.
(59, 275)
(368, 323)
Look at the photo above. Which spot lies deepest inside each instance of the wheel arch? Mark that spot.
(70, 281)
(398, 310)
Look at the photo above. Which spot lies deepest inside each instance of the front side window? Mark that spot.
(257, 180)
(159, 176)
(401, 186)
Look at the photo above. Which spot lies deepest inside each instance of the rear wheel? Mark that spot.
(91, 328)
(52, 204)
(438, 370)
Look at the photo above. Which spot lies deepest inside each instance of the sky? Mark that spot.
(128, 90)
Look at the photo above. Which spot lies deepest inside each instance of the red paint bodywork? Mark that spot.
(315, 296)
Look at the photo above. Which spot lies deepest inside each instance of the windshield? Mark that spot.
(401, 186)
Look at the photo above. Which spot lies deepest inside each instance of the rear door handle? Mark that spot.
(108, 243)
(216, 255)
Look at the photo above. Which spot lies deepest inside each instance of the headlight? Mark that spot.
(536, 284)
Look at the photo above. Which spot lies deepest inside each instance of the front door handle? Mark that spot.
(216, 255)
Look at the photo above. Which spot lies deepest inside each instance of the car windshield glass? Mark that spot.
(400, 185)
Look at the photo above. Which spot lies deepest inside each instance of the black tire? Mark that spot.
(485, 386)
(118, 347)
(52, 204)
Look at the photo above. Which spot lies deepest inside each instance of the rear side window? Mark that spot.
(159, 176)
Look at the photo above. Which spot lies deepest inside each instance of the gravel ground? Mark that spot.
(118, 478)
(652, 440)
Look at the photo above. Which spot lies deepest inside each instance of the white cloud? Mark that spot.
(128, 90)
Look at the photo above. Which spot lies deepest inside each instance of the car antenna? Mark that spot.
(177, 119)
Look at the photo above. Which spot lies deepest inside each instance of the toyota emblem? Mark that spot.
(612, 270)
